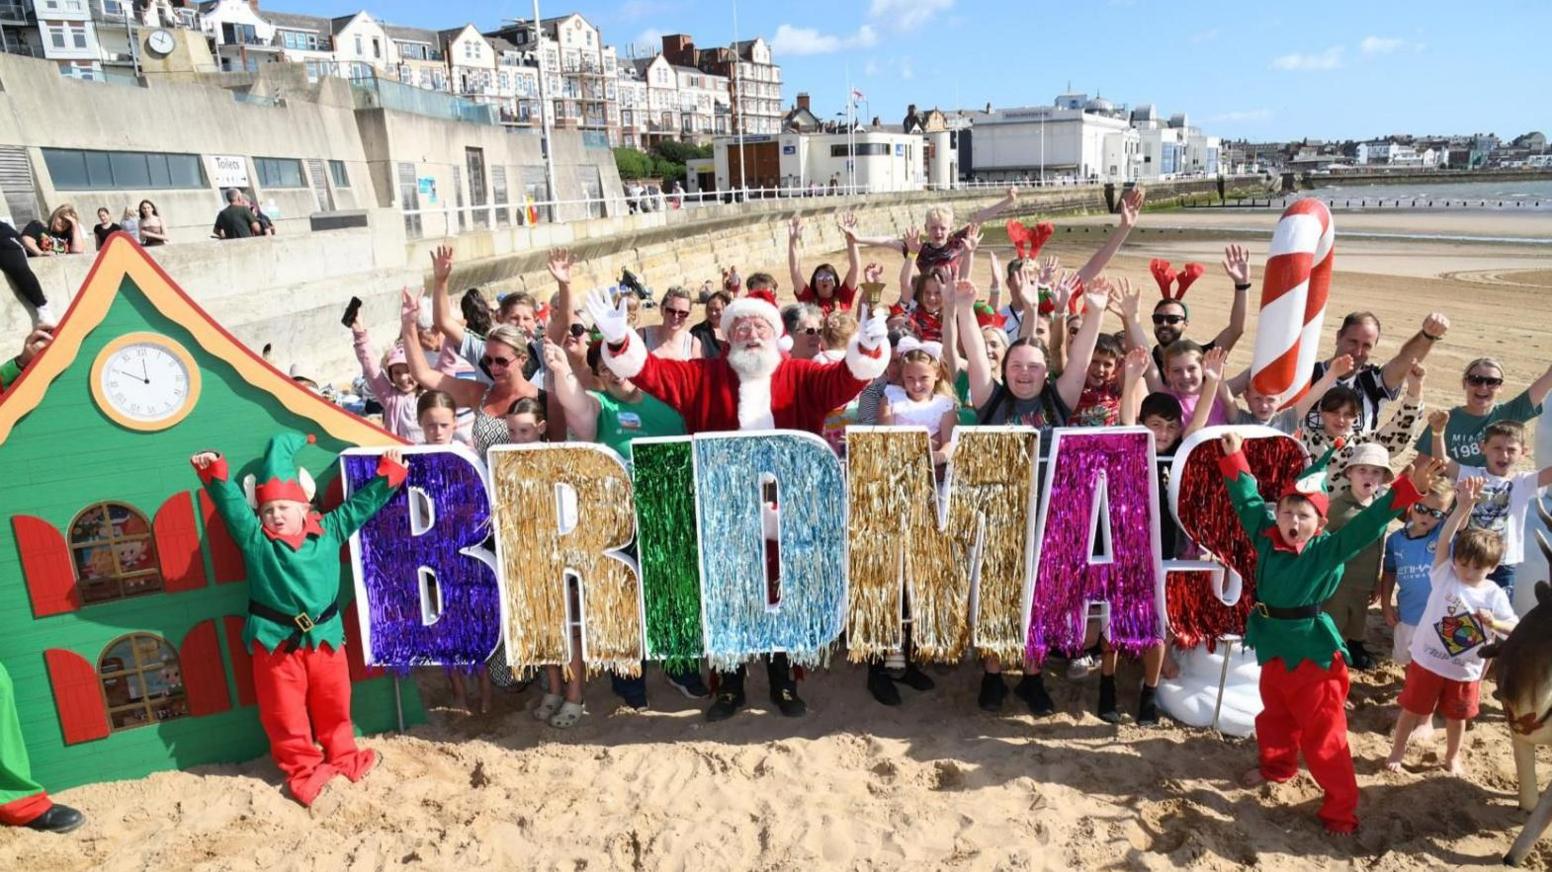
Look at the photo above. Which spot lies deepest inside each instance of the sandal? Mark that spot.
(548, 706)
(568, 715)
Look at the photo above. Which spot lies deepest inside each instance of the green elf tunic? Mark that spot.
(301, 575)
(1288, 577)
(10, 371)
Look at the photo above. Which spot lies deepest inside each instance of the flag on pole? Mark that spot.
(857, 95)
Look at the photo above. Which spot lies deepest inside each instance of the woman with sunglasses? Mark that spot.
(1483, 382)
(673, 339)
(803, 323)
(824, 287)
(505, 354)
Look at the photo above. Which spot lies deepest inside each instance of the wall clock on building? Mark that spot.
(161, 43)
(145, 381)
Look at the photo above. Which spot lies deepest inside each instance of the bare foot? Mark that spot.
(1252, 778)
(1453, 766)
(1393, 765)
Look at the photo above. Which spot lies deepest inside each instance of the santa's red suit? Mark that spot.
(712, 396)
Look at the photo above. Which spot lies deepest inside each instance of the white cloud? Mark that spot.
(1381, 44)
(791, 40)
(906, 14)
(1241, 115)
(1330, 59)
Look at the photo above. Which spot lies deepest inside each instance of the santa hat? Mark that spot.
(282, 478)
(1171, 284)
(1311, 483)
(751, 307)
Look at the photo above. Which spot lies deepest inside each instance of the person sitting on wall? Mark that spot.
(236, 221)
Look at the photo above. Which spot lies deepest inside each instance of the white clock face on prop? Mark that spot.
(161, 42)
(145, 381)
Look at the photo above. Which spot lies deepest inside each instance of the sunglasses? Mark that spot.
(577, 330)
(487, 361)
(1484, 381)
(676, 313)
(809, 331)
(1437, 514)
(1161, 320)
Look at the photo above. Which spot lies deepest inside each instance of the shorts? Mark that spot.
(1401, 642)
(1426, 693)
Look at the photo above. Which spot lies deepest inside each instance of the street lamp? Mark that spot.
(544, 107)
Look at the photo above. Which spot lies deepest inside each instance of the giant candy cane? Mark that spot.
(1293, 300)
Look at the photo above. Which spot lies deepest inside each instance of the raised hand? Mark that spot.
(875, 330)
(1343, 365)
(1066, 286)
(1230, 443)
(555, 359)
(1439, 420)
(1414, 379)
(357, 331)
(1236, 262)
(848, 225)
(560, 262)
(964, 293)
(36, 341)
(442, 263)
(1423, 471)
(913, 240)
(409, 309)
(873, 272)
(612, 321)
(1131, 301)
(203, 459)
(1048, 267)
(1212, 363)
(394, 455)
(1436, 325)
(1131, 206)
(973, 239)
(1467, 490)
(795, 228)
(1136, 363)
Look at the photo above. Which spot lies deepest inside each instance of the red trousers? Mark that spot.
(1304, 710)
(304, 702)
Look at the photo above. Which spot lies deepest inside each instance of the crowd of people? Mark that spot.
(1043, 347)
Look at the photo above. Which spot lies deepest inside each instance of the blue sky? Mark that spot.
(1254, 70)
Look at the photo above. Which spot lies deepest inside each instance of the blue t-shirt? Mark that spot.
(1412, 561)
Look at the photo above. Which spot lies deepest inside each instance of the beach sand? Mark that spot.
(855, 785)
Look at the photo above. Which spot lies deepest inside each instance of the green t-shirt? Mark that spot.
(1463, 434)
(962, 388)
(619, 422)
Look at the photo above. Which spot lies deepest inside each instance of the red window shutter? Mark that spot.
(242, 661)
(46, 565)
(204, 675)
(177, 545)
(225, 557)
(83, 716)
(354, 656)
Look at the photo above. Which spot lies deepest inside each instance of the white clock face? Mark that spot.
(145, 382)
(161, 42)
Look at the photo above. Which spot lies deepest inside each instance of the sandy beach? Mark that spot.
(935, 783)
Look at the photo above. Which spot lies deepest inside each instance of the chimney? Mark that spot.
(876, 123)
(679, 49)
(803, 100)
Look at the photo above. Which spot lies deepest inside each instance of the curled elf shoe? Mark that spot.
(725, 705)
(548, 706)
(916, 679)
(882, 686)
(371, 759)
(993, 691)
(567, 717)
(787, 701)
(58, 819)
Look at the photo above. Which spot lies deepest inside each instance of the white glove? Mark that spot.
(875, 330)
(610, 320)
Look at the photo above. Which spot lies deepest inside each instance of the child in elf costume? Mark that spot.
(294, 630)
(1303, 668)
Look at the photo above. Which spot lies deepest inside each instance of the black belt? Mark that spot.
(300, 621)
(1297, 613)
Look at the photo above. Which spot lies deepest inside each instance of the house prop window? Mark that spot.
(142, 682)
(114, 554)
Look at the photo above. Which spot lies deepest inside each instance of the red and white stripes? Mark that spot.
(1293, 301)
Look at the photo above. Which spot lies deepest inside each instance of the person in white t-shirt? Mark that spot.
(1506, 496)
(1465, 610)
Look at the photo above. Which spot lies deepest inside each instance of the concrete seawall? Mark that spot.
(288, 291)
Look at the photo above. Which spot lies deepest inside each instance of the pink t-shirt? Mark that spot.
(1219, 415)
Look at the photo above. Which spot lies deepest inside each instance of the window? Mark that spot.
(113, 8)
(377, 47)
(360, 48)
(862, 149)
(338, 174)
(240, 34)
(299, 41)
(279, 172)
(113, 553)
(82, 170)
(142, 682)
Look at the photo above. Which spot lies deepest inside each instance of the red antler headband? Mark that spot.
(1173, 286)
(1028, 241)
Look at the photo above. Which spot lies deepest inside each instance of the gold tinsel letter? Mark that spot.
(536, 556)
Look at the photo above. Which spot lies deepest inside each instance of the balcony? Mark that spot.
(13, 12)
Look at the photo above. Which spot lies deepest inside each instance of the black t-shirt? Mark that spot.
(47, 241)
(1369, 382)
(711, 346)
(103, 232)
(235, 222)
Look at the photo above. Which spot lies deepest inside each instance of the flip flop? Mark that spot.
(568, 715)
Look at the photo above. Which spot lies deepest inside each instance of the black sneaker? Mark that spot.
(916, 679)
(725, 706)
(993, 692)
(1147, 708)
(58, 819)
(787, 700)
(882, 686)
(1361, 659)
(1031, 689)
(1107, 700)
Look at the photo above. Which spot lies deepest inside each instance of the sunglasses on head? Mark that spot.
(1484, 381)
(1161, 320)
(1437, 514)
(577, 330)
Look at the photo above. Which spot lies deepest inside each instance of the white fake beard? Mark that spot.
(754, 363)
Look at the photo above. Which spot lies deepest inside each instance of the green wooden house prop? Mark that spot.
(122, 596)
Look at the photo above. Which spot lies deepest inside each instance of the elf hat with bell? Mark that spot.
(1311, 483)
(279, 477)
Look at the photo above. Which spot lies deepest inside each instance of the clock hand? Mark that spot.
(133, 376)
(146, 375)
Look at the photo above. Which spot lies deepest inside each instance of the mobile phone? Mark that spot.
(351, 310)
